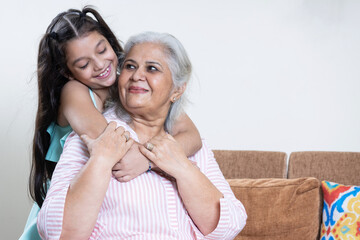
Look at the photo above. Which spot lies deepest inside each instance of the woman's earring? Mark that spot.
(174, 99)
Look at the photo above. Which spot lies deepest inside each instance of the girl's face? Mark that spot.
(91, 60)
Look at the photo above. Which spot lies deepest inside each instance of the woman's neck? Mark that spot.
(147, 128)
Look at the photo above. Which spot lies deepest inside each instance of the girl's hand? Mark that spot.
(131, 165)
(168, 155)
(110, 146)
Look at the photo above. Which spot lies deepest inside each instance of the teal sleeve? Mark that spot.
(58, 137)
(30, 230)
(92, 97)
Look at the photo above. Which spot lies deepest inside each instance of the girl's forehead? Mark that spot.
(84, 44)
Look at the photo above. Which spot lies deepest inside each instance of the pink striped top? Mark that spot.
(147, 207)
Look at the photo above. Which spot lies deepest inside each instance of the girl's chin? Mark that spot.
(110, 81)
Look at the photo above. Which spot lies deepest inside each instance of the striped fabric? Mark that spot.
(147, 207)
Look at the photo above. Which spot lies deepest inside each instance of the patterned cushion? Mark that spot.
(341, 212)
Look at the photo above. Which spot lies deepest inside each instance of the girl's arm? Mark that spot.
(78, 110)
(187, 135)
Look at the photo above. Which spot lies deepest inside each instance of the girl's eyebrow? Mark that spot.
(80, 58)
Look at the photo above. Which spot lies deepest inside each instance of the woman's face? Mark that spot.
(145, 81)
(92, 61)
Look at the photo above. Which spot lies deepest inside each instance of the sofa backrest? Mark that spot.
(339, 167)
(251, 164)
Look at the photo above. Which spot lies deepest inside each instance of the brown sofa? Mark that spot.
(283, 198)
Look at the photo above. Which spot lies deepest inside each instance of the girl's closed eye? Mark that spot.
(84, 66)
(102, 51)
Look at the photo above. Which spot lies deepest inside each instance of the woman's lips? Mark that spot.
(137, 90)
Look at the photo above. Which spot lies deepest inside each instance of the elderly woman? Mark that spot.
(85, 201)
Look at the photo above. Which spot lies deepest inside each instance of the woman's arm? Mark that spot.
(200, 197)
(187, 135)
(207, 197)
(79, 183)
(87, 190)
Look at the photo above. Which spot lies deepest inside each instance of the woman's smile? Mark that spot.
(137, 90)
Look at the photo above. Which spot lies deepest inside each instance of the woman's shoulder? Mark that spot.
(110, 115)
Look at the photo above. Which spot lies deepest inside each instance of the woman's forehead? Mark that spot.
(147, 53)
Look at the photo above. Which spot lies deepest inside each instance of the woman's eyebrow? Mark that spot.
(129, 60)
(97, 45)
(154, 62)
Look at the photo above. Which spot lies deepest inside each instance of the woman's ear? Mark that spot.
(177, 93)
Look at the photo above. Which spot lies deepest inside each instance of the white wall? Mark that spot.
(270, 75)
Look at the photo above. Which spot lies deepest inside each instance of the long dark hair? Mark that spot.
(53, 73)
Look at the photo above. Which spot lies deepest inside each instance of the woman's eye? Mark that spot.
(152, 68)
(129, 66)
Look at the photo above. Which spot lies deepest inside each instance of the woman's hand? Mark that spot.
(200, 197)
(110, 146)
(131, 165)
(168, 155)
(87, 189)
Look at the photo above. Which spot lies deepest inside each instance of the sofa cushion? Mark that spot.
(251, 164)
(279, 208)
(341, 212)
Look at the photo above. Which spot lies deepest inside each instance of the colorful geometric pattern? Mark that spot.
(341, 212)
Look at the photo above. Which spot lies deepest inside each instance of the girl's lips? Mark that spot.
(105, 73)
(137, 90)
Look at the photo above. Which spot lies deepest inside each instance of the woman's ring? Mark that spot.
(149, 146)
(126, 136)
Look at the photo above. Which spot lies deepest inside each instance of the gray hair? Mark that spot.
(178, 63)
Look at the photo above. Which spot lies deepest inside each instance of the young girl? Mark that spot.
(77, 65)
